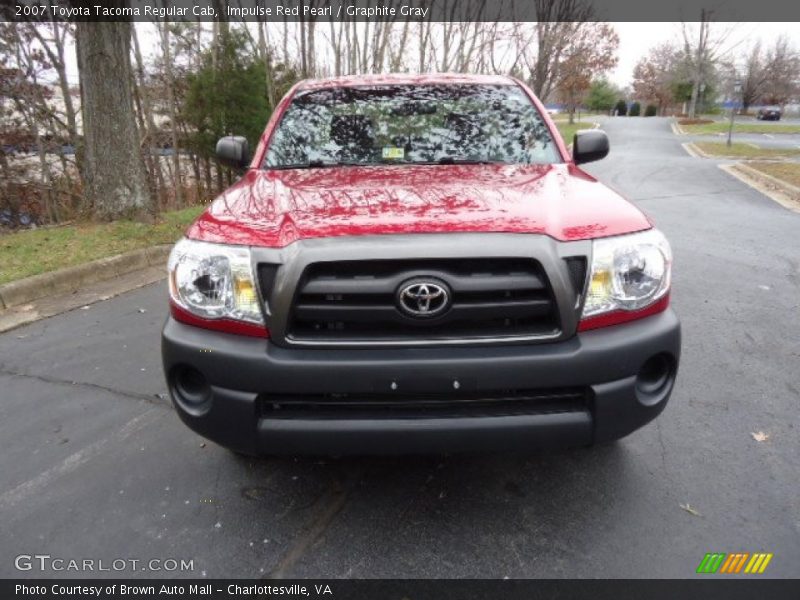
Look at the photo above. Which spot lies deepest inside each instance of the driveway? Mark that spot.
(95, 463)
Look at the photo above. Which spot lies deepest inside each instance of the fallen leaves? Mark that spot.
(689, 509)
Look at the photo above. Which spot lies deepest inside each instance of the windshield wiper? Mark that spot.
(320, 164)
(445, 160)
(463, 160)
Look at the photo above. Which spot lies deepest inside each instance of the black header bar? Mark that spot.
(400, 10)
(703, 587)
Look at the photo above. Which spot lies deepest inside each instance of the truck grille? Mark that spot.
(357, 301)
(424, 405)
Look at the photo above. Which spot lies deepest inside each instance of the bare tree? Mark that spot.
(53, 39)
(172, 108)
(311, 61)
(36, 118)
(655, 75)
(114, 174)
(397, 52)
(704, 46)
(754, 76)
(424, 42)
(782, 66)
(151, 139)
(559, 24)
(265, 51)
(592, 50)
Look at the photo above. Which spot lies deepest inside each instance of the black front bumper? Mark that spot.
(241, 371)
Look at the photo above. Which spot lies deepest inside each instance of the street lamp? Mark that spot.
(737, 89)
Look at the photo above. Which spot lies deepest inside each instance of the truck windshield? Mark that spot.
(411, 124)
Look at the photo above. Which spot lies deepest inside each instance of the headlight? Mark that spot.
(214, 281)
(629, 272)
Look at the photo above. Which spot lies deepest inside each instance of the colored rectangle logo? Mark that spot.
(734, 563)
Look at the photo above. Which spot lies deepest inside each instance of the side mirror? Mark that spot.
(589, 145)
(233, 151)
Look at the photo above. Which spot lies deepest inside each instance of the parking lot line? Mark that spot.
(74, 460)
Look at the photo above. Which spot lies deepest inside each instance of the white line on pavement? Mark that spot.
(73, 461)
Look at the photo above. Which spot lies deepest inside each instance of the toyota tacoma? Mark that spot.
(417, 264)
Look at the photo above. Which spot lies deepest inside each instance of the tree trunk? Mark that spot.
(145, 144)
(47, 187)
(265, 49)
(150, 126)
(311, 62)
(303, 55)
(693, 98)
(285, 42)
(207, 173)
(336, 40)
(362, 67)
(198, 195)
(173, 115)
(114, 174)
(698, 62)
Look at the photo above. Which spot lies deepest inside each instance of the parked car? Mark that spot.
(417, 264)
(769, 113)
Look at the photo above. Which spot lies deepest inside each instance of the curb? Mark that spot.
(694, 151)
(71, 279)
(775, 189)
(787, 187)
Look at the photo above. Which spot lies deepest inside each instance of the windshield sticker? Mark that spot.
(393, 152)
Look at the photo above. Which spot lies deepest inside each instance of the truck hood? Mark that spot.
(274, 208)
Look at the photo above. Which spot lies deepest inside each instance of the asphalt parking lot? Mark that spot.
(95, 464)
(774, 137)
(786, 141)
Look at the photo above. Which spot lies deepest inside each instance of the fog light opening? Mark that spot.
(191, 387)
(654, 375)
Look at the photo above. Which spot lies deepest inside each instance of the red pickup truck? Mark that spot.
(415, 264)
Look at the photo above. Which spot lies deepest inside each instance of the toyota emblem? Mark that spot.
(423, 298)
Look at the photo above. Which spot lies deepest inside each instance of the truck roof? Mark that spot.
(404, 79)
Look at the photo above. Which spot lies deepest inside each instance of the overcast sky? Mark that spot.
(635, 41)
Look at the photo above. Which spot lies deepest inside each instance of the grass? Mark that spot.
(564, 116)
(695, 121)
(739, 150)
(722, 127)
(786, 171)
(32, 252)
(568, 131)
